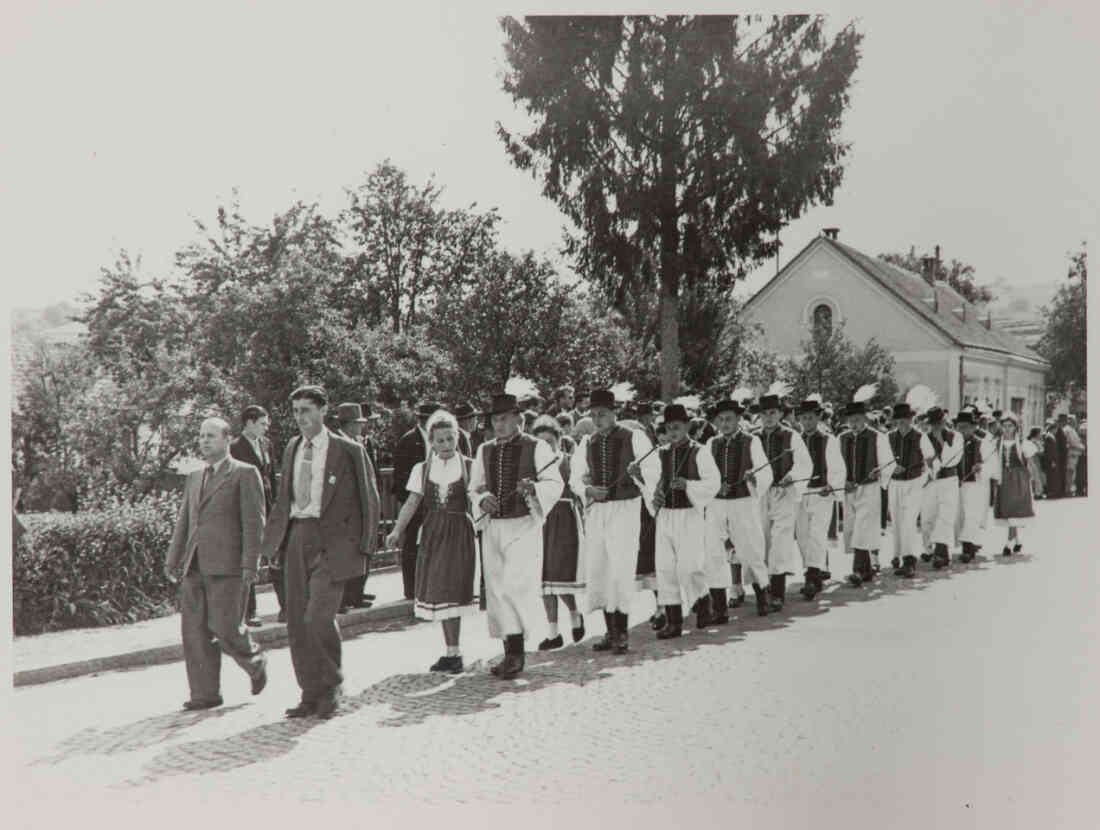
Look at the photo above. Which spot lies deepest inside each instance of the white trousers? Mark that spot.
(863, 518)
(973, 501)
(939, 508)
(681, 557)
(611, 554)
(780, 507)
(512, 554)
(905, 502)
(738, 520)
(812, 528)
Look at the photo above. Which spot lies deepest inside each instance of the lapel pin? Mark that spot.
(332, 479)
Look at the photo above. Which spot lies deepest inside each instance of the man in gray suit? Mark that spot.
(322, 529)
(216, 548)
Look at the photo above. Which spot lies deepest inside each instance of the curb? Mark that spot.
(270, 636)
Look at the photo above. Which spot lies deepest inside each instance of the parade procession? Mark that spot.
(692, 500)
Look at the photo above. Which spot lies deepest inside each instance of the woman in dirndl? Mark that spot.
(1014, 507)
(447, 556)
(562, 543)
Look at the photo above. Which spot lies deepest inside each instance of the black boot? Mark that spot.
(622, 637)
(861, 560)
(512, 664)
(719, 608)
(703, 611)
(874, 561)
(778, 588)
(941, 558)
(675, 625)
(1017, 548)
(608, 641)
(895, 562)
(967, 552)
(1007, 551)
(908, 568)
(812, 584)
(761, 600)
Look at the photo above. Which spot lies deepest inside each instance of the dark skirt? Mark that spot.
(561, 550)
(1014, 495)
(445, 566)
(646, 571)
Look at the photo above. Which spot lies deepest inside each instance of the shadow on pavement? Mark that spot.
(410, 699)
(132, 736)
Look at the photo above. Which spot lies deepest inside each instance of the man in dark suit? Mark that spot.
(351, 423)
(411, 449)
(216, 548)
(366, 439)
(252, 447)
(323, 525)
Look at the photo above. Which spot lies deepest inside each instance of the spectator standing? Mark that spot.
(253, 447)
(411, 449)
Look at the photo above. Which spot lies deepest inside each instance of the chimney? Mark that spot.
(936, 265)
(830, 233)
(928, 269)
(989, 320)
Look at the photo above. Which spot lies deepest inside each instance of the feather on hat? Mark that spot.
(779, 389)
(865, 393)
(920, 398)
(689, 402)
(521, 387)
(624, 392)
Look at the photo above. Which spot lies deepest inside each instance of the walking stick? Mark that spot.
(675, 474)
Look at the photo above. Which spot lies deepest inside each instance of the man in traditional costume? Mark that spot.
(825, 486)
(612, 470)
(938, 521)
(735, 514)
(913, 453)
(689, 480)
(791, 468)
(515, 483)
(973, 475)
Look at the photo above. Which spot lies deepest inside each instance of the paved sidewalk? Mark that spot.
(56, 655)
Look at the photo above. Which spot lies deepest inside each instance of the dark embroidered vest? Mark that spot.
(1011, 460)
(910, 462)
(608, 457)
(776, 443)
(860, 452)
(733, 455)
(816, 444)
(505, 464)
(678, 462)
(971, 458)
(938, 445)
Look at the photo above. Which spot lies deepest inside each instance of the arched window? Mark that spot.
(823, 319)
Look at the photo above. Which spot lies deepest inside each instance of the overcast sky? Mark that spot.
(973, 129)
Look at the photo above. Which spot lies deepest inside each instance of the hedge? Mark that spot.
(94, 568)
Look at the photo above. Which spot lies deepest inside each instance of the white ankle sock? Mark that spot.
(454, 651)
(553, 630)
(577, 617)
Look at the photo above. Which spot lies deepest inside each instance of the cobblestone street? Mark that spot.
(957, 699)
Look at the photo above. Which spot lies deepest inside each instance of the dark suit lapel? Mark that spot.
(193, 495)
(332, 458)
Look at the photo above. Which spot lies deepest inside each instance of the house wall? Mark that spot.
(997, 381)
(866, 309)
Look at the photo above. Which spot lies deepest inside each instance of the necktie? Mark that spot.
(303, 484)
(207, 474)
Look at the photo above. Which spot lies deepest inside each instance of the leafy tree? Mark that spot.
(686, 141)
(743, 357)
(407, 248)
(1063, 341)
(835, 367)
(958, 275)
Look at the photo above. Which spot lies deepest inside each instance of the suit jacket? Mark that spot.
(241, 449)
(225, 525)
(410, 451)
(350, 508)
(464, 446)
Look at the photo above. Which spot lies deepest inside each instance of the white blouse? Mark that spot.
(443, 473)
(1026, 448)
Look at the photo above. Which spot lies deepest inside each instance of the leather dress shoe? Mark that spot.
(302, 710)
(448, 665)
(199, 705)
(259, 679)
(550, 645)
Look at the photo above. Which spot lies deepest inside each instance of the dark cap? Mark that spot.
(676, 412)
(603, 398)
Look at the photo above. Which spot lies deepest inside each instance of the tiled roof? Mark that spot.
(917, 294)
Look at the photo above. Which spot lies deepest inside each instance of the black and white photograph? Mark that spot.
(550, 416)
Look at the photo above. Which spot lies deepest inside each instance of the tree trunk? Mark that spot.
(670, 341)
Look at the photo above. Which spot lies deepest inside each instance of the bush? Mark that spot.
(94, 568)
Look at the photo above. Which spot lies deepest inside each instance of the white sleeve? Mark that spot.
(803, 465)
(986, 452)
(1027, 448)
(478, 482)
(548, 485)
(760, 464)
(578, 467)
(834, 461)
(701, 492)
(651, 466)
(928, 452)
(886, 460)
(951, 455)
(416, 479)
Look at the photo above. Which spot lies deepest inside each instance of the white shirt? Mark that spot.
(443, 473)
(641, 446)
(320, 453)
